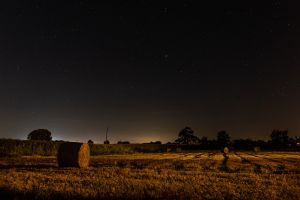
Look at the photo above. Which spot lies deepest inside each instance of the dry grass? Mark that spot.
(263, 175)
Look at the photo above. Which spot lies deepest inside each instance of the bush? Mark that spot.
(28, 147)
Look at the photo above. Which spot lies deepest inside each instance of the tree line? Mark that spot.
(278, 139)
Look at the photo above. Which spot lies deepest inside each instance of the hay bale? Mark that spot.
(256, 149)
(226, 150)
(73, 154)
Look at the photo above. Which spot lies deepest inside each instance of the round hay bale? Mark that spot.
(226, 150)
(73, 154)
(256, 149)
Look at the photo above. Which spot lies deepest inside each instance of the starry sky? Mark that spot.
(146, 69)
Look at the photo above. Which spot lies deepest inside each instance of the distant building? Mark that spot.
(157, 142)
(123, 142)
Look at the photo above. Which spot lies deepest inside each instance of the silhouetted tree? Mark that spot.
(297, 141)
(260, 143)
(156, 142)
(243, 144)
(90, 142)
(106, 142)
(223, 138)
(204, 141)
(40, 134)
(186, 136)
(213, 144)
(170, 143)
(279, 137)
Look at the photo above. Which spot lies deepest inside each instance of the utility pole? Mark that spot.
(106, 140)
(106, 134)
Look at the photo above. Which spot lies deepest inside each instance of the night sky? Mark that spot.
(147, 69)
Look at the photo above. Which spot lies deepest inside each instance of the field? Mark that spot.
(202, 175)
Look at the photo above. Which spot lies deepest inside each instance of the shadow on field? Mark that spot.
(39, 166)
(224, 166)
(8, 194)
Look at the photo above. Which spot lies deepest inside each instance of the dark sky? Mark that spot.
(149, 68)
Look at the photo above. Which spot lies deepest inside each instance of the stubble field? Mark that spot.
(202, 175)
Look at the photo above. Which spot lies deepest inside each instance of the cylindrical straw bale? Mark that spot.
(256, 149)
(73, 154)
(226, 150)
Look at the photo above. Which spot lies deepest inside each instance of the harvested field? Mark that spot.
(202, 175)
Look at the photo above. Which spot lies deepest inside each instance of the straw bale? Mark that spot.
(73, 154)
